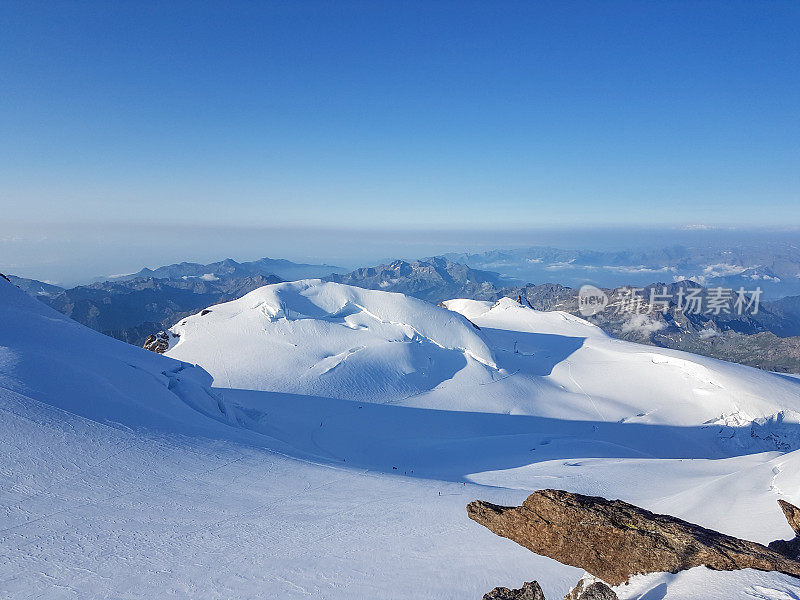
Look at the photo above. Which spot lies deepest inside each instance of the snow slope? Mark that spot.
(123, 475)
(115, 485)
(613, 380)
(329, 339)
(336, 341)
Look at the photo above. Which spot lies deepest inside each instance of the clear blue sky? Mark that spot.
(400, 114)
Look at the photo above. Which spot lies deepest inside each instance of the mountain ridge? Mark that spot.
(284, 269)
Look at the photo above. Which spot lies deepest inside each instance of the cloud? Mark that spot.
(723, 270)
(643, 324)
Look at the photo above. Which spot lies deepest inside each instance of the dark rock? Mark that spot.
(530, 590)
(792, 515)
(589, 588)
(789, 548)
(158, 343)
(614, 540)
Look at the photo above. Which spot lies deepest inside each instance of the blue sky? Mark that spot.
(400, 114)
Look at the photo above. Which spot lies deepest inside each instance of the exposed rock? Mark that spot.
(158, 343)
(590, 588)
(789, 548)
(530, 590)
(792, 515)
(614, 540)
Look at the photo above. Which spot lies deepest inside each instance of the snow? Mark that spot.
(326, 339)
(125, 475)
(710, 585)
(332, 340)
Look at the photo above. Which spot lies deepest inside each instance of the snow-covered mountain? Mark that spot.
(132, 308)
(327, 339)
(761, 340)
(125, 475)
(766, 339)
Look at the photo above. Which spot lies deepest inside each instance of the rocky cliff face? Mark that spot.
(614, 540)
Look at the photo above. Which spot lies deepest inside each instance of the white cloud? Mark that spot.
(643, 324)
(722, 270)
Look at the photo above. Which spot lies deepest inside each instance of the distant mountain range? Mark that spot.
(131, 308)
(229, 268)
(788, 312)
(775, 267)
(766, 340)
(432, 279)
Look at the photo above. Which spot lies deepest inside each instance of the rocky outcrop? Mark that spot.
(789, 548)
(158, 343)
(614, 540)
(530, 590)
(590, 588)
(792, 515)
